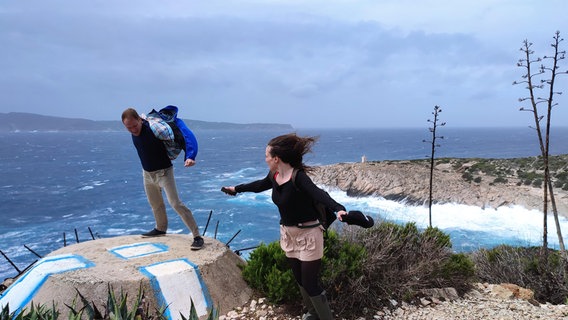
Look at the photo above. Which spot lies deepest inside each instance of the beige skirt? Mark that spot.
(305, 244)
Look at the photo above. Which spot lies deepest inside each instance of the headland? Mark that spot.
(485, 183)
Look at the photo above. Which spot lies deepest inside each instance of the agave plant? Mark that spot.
(36, 312)
(90, 309)
(5, 313)
(116, 309)
(213, 315)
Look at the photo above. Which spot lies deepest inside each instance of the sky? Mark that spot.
(311, 64)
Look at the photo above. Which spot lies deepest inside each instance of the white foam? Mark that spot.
(514, 224)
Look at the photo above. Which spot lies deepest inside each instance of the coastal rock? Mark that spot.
(442, 294)
(408, 181)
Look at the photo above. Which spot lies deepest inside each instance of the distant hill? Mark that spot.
(21, 121)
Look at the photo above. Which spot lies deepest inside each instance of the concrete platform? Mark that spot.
(170, 273)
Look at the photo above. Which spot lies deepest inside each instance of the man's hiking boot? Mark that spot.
(154, 233)
(197, 243)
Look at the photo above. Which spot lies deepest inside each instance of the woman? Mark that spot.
(301, 235)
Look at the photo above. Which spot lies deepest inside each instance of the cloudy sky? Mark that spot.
(318, 63)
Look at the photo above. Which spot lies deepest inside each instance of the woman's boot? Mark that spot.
(311, 314)
(322, 307)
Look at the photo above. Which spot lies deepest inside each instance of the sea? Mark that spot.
(61, 188)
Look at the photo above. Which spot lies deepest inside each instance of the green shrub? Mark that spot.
(527, 267)
(562, 176)
(341, 262)
(400, 260)
(458, 266)
(500, 180)
(268, 271)
(363, 268)
(280, 285)
(467, 176)
(483, 165)
(530, 175)
(269, 261)
(537, 183)
(441, 239)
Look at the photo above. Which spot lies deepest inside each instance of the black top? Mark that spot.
(294, 204)
(151, 150)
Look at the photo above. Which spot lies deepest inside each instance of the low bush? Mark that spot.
(342, 262)
(537, 183)
(365, 268)
(467, 176)
(500, 180)
(527, 267)
(399, 262)
(485, 166)
(268, 271)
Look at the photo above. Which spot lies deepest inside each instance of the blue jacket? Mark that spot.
(169, 114)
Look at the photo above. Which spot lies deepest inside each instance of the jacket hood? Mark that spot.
(169, 113)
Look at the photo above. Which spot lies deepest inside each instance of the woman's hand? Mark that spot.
(340, 214)
(229, 190)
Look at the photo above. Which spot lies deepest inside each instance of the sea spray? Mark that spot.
(470, 227)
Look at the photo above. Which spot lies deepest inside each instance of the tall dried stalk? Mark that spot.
(534, 82)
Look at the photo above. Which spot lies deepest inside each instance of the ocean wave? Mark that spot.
(506, 224)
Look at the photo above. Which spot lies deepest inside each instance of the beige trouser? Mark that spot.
(154, 182)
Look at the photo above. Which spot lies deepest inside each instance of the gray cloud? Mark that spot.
(268, 61)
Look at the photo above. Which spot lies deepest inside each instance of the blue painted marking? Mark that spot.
(174, 283)
(137, 250)
(25, 288)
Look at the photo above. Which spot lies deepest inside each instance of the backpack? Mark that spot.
(326, 215)
(183, 138)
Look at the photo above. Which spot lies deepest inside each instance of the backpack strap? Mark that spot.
(323, 215)
(293, 178)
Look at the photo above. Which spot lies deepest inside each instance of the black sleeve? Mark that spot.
(305, 184)
(255, 186)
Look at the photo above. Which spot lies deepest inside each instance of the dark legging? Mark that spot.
(306, 274)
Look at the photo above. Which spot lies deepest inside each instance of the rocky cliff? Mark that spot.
(476, 182)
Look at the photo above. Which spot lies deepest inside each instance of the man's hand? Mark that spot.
(189, 162)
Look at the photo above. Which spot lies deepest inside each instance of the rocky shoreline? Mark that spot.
(485, 183)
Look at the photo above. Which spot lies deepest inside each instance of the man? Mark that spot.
(158, 174)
